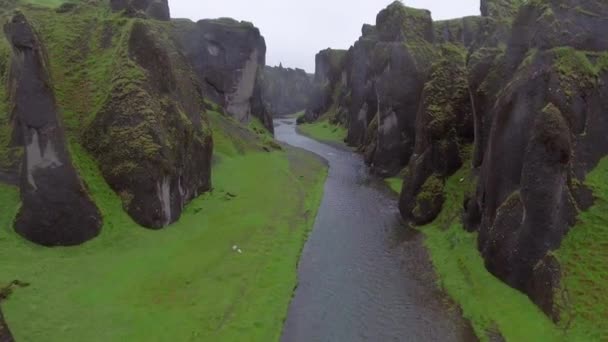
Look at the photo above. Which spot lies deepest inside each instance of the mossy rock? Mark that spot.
(429, 201)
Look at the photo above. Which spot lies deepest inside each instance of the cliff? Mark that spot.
(286, 91)
(119, 82)
(228, 58)
(516, 94)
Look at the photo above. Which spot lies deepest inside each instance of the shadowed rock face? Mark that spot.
(228, 56)
(56, 209)
(328, 83)
(541, 142)
(286, 91)
(151, 138)
(5, 333)
(157, 9)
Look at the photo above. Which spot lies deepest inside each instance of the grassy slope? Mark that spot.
(486, 301)
(181, 283)
(584, 260)
(324, 131)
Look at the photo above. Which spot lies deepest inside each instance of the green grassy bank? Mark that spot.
(184, 282)
(583, 257)
(324, 131)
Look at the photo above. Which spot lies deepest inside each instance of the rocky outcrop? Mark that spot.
(152, 143)
(228, 57)
(286, 91)
(157, 9)
(56, 209)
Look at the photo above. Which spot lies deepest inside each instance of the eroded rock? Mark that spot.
(56, 209)
(286, 91)
(228, 56)
(151, 138)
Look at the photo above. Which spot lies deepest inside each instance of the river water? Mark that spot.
(363, 276)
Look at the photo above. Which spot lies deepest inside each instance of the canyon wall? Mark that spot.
(286, 91)
(125, 95)
(516, 94)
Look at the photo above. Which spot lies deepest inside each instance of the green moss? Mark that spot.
(431, 190)
(584, 260)
(486, 301)
(9, 154)
(395, 184)
(182, 283)
(397, 19)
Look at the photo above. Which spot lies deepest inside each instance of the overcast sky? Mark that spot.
(295, 30)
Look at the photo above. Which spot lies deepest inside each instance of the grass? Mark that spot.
(584, 260)
(182, 283)
(324, 131)
(488, 303)
(395, 183)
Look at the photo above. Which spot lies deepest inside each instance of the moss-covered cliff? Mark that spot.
(516, 94)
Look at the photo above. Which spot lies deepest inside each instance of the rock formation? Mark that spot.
(328, 83)
(516, 93)
(149, 136)
(228, 56)
(56, 209)
(286, 91)
(130, 93)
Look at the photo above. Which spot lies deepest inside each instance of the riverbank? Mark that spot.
(211, 276)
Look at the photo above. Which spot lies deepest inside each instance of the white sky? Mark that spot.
(295, 30)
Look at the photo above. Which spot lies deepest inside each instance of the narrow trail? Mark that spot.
(362, 276)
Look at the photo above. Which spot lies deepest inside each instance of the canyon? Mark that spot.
(139, 148)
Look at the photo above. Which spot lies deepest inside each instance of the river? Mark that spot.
(363, 276)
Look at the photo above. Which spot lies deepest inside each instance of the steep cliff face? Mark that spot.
(286, 91)
(444, 130)
(374, 91)
(150, 136)
(516, 93)
(542, 142)
(55, 210)
(328, 84)
(228, 57)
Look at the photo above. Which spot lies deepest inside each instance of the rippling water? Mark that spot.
(362, 275)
